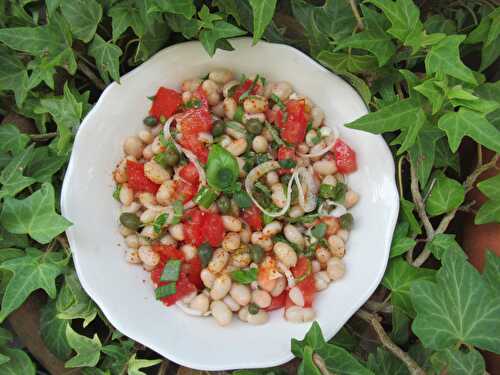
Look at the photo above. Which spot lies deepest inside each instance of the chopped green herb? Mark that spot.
(346, 221)
(238, 115)
(275, 98)
(335, 192)
(160, 222)
(262, 158)
(161, 159)
(244, 276)
(263, 188)
(116, 192)
(319, 231)
(274, 134)
(231, 91)
(205, 197)
(218, 128)
(305, 219)
(256, 253)
(178, 212)
(193, 103)
(253, 308)
(237, 127)
(152, 97)
(242, 199)
(224, 204)
(165, 290)
(249, 90)
(171, 270)
(163, 119)
(267, 219)
(205, 253)
(287, 163)
(309, 126)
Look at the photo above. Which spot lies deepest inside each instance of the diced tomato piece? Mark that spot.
(201, 95)
(307, 285)
(137, 180)
(213, 229)
(277, 302)
(241, 89)
(345, 157)
(302, 267)
(192, 143)
(183, 288)
(253, 217)
(294, 129)
(165, 103)
(156, 273)
(193, 221)
(168, 252)
(192, 268)
(194, 121)
(285, 153)
(189, 173)
(185, 191)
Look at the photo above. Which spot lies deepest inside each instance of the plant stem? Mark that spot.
(90, 75)
(419, 202)
(43, 137)
(386, 341)
(163, 367)
(400, 176)
(321, 365)
(355, 11)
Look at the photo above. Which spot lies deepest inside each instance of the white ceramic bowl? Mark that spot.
(124, 292)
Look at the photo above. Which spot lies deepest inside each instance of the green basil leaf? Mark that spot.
(245, 276)
(242, 199)
(165, 290)
(178, 212)
(222, 169)
(160, 222)
(319, 231)
(171, 270)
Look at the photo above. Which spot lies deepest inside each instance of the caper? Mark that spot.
(224, 204)
(218, 128)
(256, 253)
(254, 126)
(171, 158)
(150, 121)
(130, 220)
(253, 308)
(346, 221)
(205, 253)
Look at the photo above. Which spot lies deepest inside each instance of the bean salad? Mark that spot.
(234, 196)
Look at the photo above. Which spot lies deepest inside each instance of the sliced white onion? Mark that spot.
(188, 310)
(338, 211)
(307, 199)
(260, 171)
(288, 274)
(330, 142)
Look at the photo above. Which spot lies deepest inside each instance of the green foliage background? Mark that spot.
(425, 69)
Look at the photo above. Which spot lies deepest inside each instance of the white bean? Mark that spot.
(279, 287)
(344, 234)
(148, 256)
(316, 266)
(189, 251)
(321, 280)
(272, 178)
(120, 173)
(186, 96)
(213, 98)
(265, 242)
(124, 231)
(177, 231)
(259, 144)
(165, 193)
(221, 287)
(325, 131)
(296, 211)
(149, 232)
(294, 314)
(285, 254)
(278, 195)
(209, 87)
(335, 269)
(261, 298)
(155, 172)
(281, 89)
(318, 116)
(351, 198)
(231, 303)
(157, 146)
(219, 260)
(323, 255)
(272, 229)
(240, 259)
(245, 234)
(237, 147)
(303, 148)
(231, 223)
(241, 294)
(148, 216)
(187, 299)
(243, 314)
(293, 235)
(231, 241)
(146, 199)
(329, 180)
(148, 153)
(146, 136)
(221, 313)
(207, 278)
(205, 137)
(132, 241)
(132, 256)
(200, 303)
(132, 208)
(267, 134)
(325, 167)
(255, 104)
(260, 318)
(230, 108)
(221, 76)
(126, 195)
(133, 146)
(191, 85)
(336, 245)
(168, 240)
(311, 138)
(257, 116)
(296, 296)
(218, 109)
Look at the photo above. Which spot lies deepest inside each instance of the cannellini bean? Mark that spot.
(191, 85)
(189, 251)
(279, 287)
(237, 147)
(267, 134)
(234, 134)
(177, 231)
(278, 195)
(231, 241)
(260, 318)
(296, 296)
(165, 193)
(120, 173)
(285, 254)
(261, 298)
(186, 96)
(126, 195)
(332, 225)
(209, 87)
(318, 116)
(316, 266)
(257, 116)
(221, 287)
(308, 314)
(133, 146)
(272, 178)
(132, 241)
(157, 146)
(296, 211)
(255, 104)
(221, 313)
(240, 259)
(148, 153)
(303, 148)
(149, 232)
(148, 216)
(241, 294)
(325, 167)
(132, 208)
(200, 303)
(264, 284)
(187, 299)
(259, 144)
(168, 240)
(351, 198)
(146, 136)
(143, 241)
(205, 137)
(231, 303)
(344, 234)
(281, 89)
(230, 108)
(221, 76)
(148, 256)
(146, 199)
(325, 131)
(213, 98)
(297, 314)
(245, 234)
(207, 278)
(218, 109)
(219, 260)
(323, 255)
(132, 256)
(228, 86)
(329, 180)
(321, 280)
(231, 223)
(293, 235)
(336, 245)
(335, 268)
(311, 138)
(272, 228)
(243, 314)
(265, 242)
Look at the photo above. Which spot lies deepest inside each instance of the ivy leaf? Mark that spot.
(433, 92)
(229, 7)
(404, 16)
(345, 340)
(407, 208)
(400, 242)
(490, 210)
(135, 365)
(340, 361)
(307, 367)
(107, 56)
(185, 8)
(263, 12)
(384, 363)
(53, 332)
(341, 61)
(12, 140)
(399, 277)
(444, 157)
(19, 362)
(83, 17)
(437, 23)
(400, 332)
(188, 28)
(33, 271)
(44, 164)
(457, 308)
(65, 110)
(88, 350)
(13, 75)
(445, 243)
(444, 58)
(117, 356)
(127, 14)
(221, 30)
(446, 195)
(313, 338)
(456, 362)
(491, 272)
(12, 177)
(422, 153)
(5, 336)
(34, 215)
(152, 41)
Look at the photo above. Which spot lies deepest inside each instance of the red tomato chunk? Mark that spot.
(137, 180)
(165, 103)
(345, 157)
